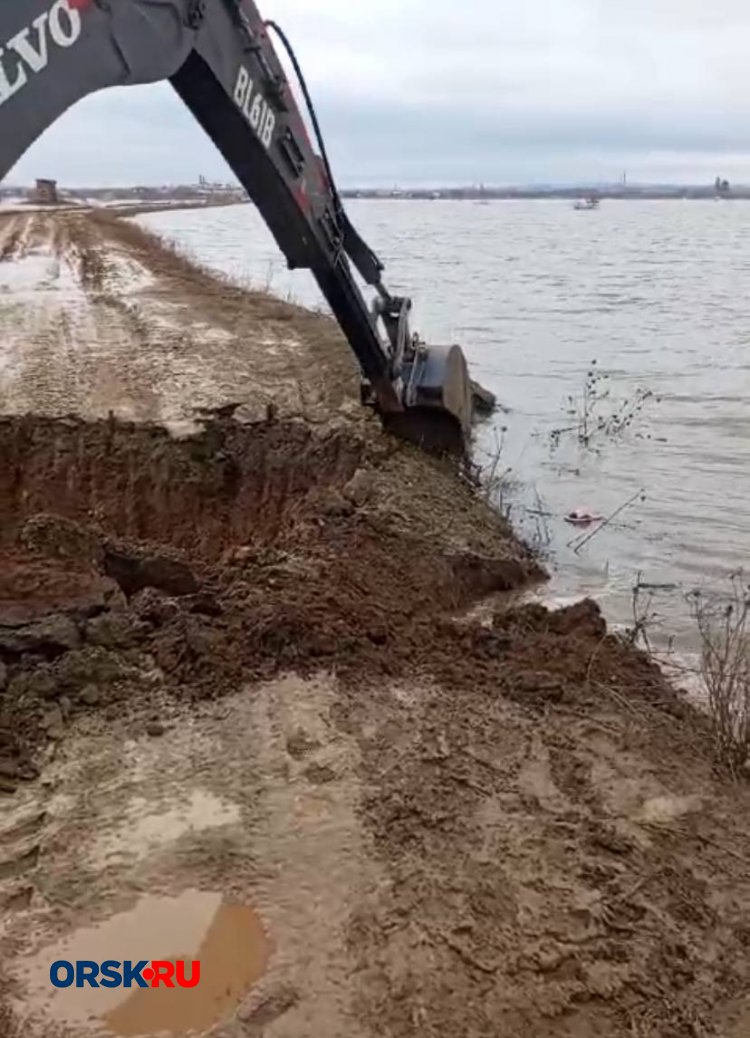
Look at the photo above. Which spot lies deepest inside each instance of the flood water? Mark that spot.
(655, 293)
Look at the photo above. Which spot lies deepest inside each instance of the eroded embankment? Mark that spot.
(222, 557)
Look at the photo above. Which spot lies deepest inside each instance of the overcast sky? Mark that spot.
(456, 91)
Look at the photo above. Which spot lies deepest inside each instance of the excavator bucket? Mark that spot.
(438, 401)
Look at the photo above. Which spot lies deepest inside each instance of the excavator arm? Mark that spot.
(219, 57)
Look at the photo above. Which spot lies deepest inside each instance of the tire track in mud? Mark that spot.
(40, 319)
(10, 236)
(71, 343)
(20, 235)
(21, 832)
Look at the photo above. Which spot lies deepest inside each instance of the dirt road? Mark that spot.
(96, 317)
(249, 715)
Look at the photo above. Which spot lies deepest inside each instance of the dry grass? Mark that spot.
(724, 629)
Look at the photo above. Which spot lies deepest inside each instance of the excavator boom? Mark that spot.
(219, 57)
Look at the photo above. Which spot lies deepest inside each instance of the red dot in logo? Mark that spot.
(148, 974)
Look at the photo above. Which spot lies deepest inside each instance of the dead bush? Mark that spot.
(724, 628)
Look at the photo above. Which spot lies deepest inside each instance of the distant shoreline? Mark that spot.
(564, 194)
(149, 199)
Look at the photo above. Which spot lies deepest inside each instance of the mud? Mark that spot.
(243, 667)
(218, 558)
(96, 316)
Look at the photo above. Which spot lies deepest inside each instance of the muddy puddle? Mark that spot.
(227, 940)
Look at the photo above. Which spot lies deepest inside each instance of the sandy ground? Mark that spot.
(249, 714)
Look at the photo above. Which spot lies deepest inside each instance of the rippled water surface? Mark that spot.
(657, 293)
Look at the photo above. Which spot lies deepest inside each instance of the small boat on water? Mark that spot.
(587, 203)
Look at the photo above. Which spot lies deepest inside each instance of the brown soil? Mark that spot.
(508, 826)
(284, 548)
